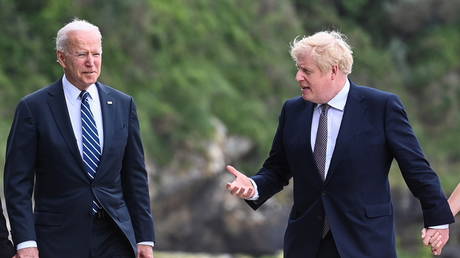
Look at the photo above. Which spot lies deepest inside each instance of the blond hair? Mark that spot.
(328, 48)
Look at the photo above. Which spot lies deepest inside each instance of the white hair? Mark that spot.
(76, 24)
(328, 48)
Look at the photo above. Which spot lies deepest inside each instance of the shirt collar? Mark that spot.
(339, 101)
(74, 93)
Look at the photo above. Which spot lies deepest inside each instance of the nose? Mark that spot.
(90, 60)
(299, 76)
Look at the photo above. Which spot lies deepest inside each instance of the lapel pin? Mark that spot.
(109, 102)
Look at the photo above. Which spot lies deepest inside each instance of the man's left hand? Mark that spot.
(436, 238)
(144, 251)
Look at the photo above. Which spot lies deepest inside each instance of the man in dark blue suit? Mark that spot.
(76, 146)
(6, 248)
(337, 142)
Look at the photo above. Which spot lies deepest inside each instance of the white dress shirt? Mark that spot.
(73, 101)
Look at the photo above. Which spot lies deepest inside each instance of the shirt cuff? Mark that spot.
(149, 243)
(256, 192)
(26, 244)
(446, 226)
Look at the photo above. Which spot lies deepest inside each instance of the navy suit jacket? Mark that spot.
(43, 157)
(6, 248)
(355, 197)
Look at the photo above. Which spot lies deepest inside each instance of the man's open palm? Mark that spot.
(241, 186)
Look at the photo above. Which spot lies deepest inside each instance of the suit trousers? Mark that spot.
(107, 240)
(327, 248)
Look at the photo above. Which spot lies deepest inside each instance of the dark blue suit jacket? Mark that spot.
(355, 196)
(42, 157)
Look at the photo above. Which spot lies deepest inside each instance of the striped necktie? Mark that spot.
(90, 144)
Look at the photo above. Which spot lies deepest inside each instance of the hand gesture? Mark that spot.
(241, 186)
(436, 238)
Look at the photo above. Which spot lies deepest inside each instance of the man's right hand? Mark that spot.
(241, 186)
(29, 252)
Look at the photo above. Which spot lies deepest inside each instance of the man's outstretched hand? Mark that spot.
(241, 186)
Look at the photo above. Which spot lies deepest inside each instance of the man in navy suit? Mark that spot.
(76, 146)
(6, 248)
(337, 142)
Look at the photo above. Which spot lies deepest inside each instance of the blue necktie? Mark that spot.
(90, 144)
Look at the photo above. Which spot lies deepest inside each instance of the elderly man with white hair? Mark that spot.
(337, 142)
(75, 146)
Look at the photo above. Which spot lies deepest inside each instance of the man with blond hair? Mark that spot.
(76, 146)
(337, 141)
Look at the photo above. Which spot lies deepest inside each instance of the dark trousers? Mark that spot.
(107, 240)
(327, 248)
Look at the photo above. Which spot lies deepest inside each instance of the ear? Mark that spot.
(334, 71)
(60, 58)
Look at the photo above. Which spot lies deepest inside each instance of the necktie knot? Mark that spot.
(324, 108)
(84, 95)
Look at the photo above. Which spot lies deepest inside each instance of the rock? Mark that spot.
(194, 212)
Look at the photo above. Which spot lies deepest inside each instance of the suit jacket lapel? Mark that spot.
(58, 107)
(308, 114)
(353, 115)
(107, 120)
(301, 135)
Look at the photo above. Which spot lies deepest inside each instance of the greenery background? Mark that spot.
(187, 62)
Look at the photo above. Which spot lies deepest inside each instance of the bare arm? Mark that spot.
(454, 200)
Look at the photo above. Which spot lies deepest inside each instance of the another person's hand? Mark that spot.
(144, 251)
(241, 186)
(436, 238)
(29, 252)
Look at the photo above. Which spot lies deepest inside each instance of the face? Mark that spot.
(82, 58)
(316, 86)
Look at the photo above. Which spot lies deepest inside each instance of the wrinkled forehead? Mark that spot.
(84, 39)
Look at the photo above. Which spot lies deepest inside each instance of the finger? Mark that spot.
(437, 252)
(426, 239)
(248, 193)
(241, 192)
(234, 190)
(439, 244)
(435, 243)
(434, 237)
(423, 232)
(230, 186)
(233, 171)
